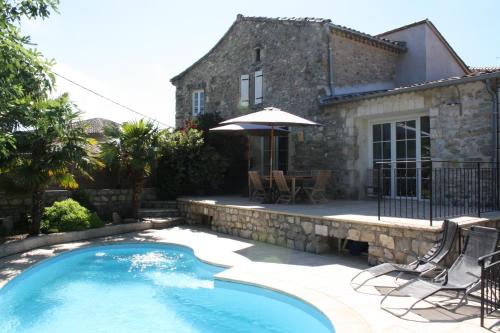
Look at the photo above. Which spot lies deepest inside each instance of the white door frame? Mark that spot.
(393, 121)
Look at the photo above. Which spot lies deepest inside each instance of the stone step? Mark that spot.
(167, 222)
(158, 212)
(159, 204)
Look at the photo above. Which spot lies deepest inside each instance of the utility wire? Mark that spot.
(110, 100)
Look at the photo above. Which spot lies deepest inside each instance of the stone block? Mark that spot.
(386, 241)
(368, 236)
(388, 255)
(246, 233)
(307, 227)
(403, 245)
(321, 230)
(353, 234)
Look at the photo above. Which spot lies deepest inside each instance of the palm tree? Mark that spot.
(132, 148)
(51, 149)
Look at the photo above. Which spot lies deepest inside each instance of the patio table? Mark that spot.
(293, 178)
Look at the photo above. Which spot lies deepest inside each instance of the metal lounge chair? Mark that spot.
(258, 190)
(318, 191)
(463, 276)
(285, 194)
(428, 262)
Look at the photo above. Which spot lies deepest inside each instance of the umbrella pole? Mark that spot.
(271, 158)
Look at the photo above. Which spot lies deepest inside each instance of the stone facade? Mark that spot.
(461, 129)
(360, 67)
(106, 201)
(297, 58)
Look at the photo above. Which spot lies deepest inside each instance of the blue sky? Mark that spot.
(128, 50)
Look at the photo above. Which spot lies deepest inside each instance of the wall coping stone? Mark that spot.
(462, 221)
(31, 243)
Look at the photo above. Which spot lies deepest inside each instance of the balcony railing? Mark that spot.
(435, 189)
(490, 284)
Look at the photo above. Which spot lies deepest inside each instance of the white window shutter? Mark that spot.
(195, 104)
(258, 87)
(244, 88)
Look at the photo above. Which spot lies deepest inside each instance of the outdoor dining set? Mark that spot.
(281, 188)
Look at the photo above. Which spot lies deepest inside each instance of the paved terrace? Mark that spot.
(321, 228)
(322, 280)
(357, 211)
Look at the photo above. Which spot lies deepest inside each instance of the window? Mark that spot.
(244, 83)
(258, 87)
(401, 151)
(198, 102)
(257, 54)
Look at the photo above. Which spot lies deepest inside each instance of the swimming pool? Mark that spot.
(144, 288)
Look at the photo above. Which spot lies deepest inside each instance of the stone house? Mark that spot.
(400, 96)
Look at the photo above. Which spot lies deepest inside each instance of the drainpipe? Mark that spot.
(495, 119)
(330, 70)
(495, 108)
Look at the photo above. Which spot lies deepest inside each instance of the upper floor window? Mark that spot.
(257, 54)
(258, 87)
(198, 102)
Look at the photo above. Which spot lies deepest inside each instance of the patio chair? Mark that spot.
(284, 193)
(318, 191)
(428, 262)
(464, 276)
(258, 190)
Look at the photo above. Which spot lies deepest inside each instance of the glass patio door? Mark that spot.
(400, 150)
(405, 170)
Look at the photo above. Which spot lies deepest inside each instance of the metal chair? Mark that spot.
(430, 261)
(463, 276)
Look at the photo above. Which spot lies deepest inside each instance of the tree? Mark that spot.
(52, 150)
(187, 165)
(25, 75)
(132, 148)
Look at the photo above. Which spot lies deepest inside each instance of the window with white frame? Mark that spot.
(258, 87)
(244, 88)
(400, 149)
(198, 102)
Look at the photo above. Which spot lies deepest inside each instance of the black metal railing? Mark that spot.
(490, 284)
(435, 189)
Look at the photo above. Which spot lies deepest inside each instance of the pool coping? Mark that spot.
(342, 317)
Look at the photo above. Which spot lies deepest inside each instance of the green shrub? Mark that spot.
(68, 215)
(95, 221)
(188, 166)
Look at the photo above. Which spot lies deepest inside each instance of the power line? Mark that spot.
(110, 100)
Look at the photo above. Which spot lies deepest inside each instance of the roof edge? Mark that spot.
(438, 34)
(459, 80)
(181, 74)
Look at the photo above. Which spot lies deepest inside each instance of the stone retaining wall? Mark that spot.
(386, 242)
(106, 201)
(73, 236)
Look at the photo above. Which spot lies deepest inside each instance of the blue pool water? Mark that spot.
(144, 288)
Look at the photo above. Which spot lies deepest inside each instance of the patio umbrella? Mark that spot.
(249, 129)
(272, 117)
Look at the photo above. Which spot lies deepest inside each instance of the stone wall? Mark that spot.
(460, 120)
(106, 201)
(292, 80)
(361, 67)
(387, 242)
(295, 69)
